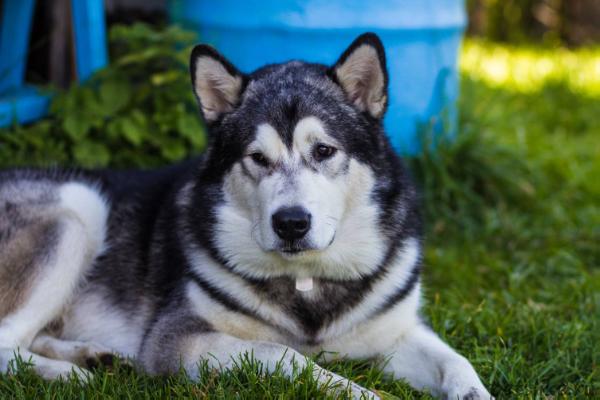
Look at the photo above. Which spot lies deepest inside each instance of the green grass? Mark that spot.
(513, 244)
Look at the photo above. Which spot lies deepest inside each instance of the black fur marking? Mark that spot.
(228, 301)
(108, 360)
(313, 315)
(223, 298)
(92, 363)
(401, 292)
(337, 296)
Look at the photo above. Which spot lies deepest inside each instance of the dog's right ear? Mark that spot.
(362, 74)
(216, 82)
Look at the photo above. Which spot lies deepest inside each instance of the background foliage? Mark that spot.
(139, 111)
(552, 22)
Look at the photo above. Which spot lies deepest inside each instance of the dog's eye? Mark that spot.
(323, 152)
(260, 159)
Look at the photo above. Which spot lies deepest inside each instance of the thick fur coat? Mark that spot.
(297, 231)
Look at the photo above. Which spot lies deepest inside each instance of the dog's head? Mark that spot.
(304, 181)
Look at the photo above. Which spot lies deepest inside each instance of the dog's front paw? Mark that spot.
(477, 392)
(356, 392)
(460, 382)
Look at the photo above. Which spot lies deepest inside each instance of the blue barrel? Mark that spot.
(421, 39)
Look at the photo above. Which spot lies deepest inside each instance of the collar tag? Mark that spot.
(304, 284)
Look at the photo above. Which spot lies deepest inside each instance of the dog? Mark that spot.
(296, 232)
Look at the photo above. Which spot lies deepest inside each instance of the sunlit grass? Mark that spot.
(512, 210)
(528, 69)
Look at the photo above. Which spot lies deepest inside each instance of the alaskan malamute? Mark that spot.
(296, 232)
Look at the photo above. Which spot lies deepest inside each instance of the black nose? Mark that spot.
(291, 223)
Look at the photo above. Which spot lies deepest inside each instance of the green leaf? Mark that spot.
(189, 126)
(76, 125)
(134, 127)
(162, 78)
(173, 150)
(114, 95)
(91, 154)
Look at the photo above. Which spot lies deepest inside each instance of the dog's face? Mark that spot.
(295, 150)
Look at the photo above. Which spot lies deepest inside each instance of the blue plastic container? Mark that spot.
(421, 38)
(23, 103)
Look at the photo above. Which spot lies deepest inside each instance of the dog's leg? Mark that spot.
(222, 351)
(45, 367)
(57, 256)
(426, 362)
(82, 354)
(179, 340)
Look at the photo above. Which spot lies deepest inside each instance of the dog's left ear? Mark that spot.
(361, 72)
(216, 82)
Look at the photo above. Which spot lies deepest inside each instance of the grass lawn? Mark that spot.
(513, 244)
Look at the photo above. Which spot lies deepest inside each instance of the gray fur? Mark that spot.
(29, 231)
(163, 347)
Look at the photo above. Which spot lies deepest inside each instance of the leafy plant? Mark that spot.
(138, 111)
